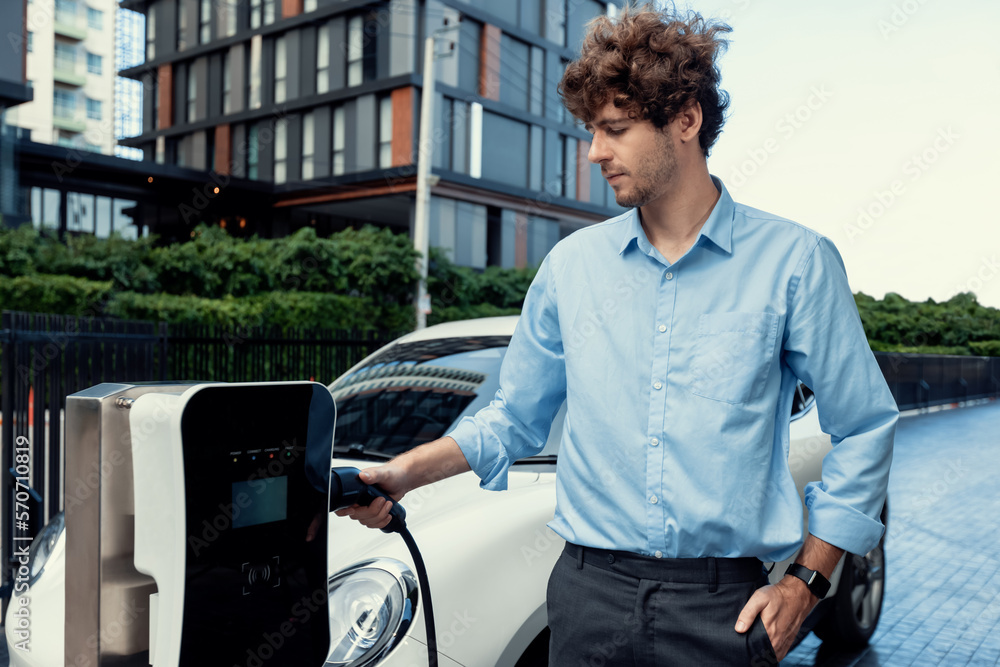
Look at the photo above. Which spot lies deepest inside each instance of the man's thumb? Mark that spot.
(369, 476)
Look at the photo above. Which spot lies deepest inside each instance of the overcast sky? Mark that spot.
(874, 122)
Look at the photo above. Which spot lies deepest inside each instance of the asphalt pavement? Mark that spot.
(942, 601)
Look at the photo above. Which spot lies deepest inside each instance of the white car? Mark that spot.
(488, 555)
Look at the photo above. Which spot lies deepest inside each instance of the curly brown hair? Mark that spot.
(650, 63)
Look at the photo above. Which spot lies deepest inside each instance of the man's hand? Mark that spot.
(782, 608)
(391, 478)
(417, 467)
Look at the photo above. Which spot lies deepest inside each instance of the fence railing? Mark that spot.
(925, 380)
(45, 358)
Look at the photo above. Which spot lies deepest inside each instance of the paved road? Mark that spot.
(942, 604)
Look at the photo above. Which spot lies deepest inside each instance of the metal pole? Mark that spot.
(425, 152)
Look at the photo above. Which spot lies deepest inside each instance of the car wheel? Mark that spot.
(857, 604)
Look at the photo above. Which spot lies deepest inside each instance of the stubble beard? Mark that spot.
(650, 175)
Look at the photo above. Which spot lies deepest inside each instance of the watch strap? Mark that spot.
(817, 583)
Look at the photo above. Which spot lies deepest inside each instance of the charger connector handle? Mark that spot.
(346, 489)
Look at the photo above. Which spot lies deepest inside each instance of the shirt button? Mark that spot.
(653, 500)
(669, 276)
(654, 441)
(663, 327)
(659, 554)
(657, 385)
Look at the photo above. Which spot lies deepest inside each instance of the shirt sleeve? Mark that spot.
(826, 347)
(532, 389)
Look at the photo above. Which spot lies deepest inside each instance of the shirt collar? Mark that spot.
(718, 228)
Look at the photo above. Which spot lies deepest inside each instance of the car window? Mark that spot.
(412, 393)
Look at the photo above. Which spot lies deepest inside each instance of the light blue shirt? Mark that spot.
(679, 379)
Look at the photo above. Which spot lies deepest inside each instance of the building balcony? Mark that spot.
(70, 26)
(70, 123)
(64, 73)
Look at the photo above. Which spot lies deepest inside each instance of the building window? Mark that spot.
(227, 84)
(182, 22)
(555, 21)
(253, 153)
(151, 33)
(281, 150)
(361, 50)
(192, 84)
(269, 11)
(338, 162)
(280, 69)
(309, 6)
(385, 132)
(66, 12)
(569, 167)
(543, 234)
(254, 57)
(93, 63)
(63, 103)
(507, 151)
(308, 146)
(229, 11)
(323, 59)
(95, 18)
(255, 13)
(30, 40)
(65, 57)
(204, 22)
(93, 109)
(514, 67)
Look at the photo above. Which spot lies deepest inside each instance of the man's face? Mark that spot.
(638, 160)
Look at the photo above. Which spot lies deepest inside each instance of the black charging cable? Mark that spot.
(346, 489)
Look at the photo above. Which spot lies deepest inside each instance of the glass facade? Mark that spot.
(85, 213)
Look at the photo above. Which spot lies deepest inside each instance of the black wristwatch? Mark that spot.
(817, 583)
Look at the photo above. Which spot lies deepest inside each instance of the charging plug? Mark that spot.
(346, 489)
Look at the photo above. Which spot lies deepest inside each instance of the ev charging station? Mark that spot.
(197, 524)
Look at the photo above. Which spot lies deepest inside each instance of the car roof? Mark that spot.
(485, 326)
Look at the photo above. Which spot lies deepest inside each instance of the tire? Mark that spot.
(857, 604)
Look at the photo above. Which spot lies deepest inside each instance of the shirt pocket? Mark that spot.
(732, 354)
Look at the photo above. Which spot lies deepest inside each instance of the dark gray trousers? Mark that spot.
(616, 609)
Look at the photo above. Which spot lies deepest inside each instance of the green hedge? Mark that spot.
(54, 294)
(362, 278)
(280, 309)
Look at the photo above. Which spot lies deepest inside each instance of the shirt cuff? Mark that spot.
(840, 524)
(489, 464)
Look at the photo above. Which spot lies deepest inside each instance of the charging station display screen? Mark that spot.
(260, 501)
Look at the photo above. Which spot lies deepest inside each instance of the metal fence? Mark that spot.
(925, 380)
(45, 358)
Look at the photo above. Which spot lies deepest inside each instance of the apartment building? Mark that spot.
(314, 106)
(71, 69)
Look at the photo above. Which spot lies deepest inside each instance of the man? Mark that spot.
(676, 333)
